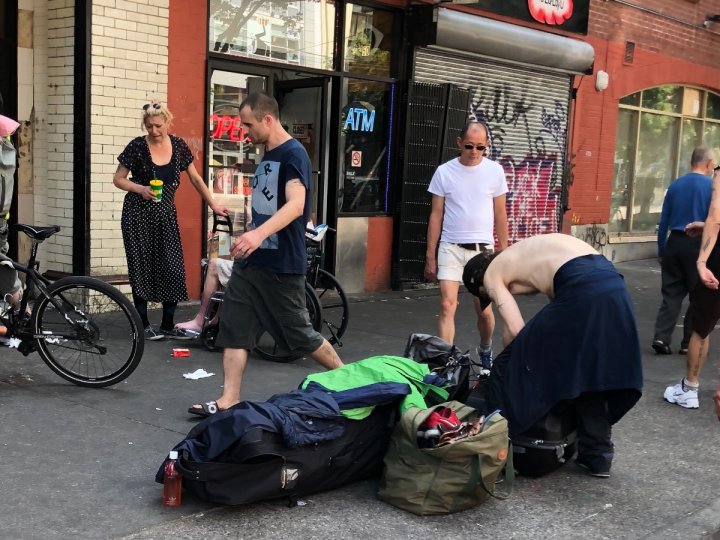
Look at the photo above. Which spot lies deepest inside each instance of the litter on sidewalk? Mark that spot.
(198, 374)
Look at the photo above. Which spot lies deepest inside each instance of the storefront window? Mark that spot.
(654, 168)
(365, 127)
(658, 129)
(662, 98)
(368, 40)
(624, 166)
(232, 160)
(713, 107)
(300, 33)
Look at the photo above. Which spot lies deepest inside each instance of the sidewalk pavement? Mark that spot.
(79, 463)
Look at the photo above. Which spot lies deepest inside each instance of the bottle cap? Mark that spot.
(173, 454)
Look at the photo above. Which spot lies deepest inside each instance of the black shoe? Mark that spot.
(682, 350)
(177, 333)
(661, 347)
(152, 335)
(597, 473)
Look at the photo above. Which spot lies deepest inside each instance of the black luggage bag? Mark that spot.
(259, 467)
(547, 444)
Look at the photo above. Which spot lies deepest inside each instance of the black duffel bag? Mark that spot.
(260, 467)
(445, 360)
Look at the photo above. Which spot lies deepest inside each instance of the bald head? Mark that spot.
(475, 127)
(472, 142)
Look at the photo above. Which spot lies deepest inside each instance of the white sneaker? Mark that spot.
(685, 398)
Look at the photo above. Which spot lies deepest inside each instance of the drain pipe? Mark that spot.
(81, 139)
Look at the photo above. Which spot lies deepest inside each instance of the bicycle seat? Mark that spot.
(37, 233)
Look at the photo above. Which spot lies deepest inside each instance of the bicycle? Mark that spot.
(325, 299)
(84, 329)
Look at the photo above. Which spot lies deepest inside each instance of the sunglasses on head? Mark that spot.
(153, 105)
(479, 147)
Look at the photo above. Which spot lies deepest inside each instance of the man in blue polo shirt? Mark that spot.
(687, 200)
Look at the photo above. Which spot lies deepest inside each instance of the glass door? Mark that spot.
(232, 161)
(303, 113)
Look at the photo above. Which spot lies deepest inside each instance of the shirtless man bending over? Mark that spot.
(581, 348)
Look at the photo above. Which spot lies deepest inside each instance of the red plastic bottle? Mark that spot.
(172, 481)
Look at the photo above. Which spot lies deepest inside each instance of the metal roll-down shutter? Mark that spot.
(527, 115)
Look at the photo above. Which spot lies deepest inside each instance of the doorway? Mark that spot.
(8, 90)
(303, 112)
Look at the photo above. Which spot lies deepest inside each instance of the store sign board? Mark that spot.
(570, 15)
(551, 11)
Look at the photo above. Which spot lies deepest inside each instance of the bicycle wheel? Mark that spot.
(88, 332)
(267, 348)
(335, 307)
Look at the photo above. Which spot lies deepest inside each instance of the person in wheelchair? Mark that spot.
(10, 287)
(218, 275)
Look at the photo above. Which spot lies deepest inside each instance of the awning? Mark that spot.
(500, 40)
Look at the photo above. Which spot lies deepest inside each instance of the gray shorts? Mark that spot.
(256, 300)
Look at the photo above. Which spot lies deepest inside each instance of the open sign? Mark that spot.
(227, 127)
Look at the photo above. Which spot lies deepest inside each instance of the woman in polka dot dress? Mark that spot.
(149, 228)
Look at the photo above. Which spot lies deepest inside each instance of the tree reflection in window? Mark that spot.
(299, 32)
(658, 128)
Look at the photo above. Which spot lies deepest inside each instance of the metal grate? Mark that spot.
(436, 115)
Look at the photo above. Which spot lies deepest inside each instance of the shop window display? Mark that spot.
(233, 159)
(365, 127)
(368, 43)
(658, 128)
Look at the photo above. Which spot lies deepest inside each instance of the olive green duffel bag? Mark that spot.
(449, 478)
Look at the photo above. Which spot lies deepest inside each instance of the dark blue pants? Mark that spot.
(679, 277)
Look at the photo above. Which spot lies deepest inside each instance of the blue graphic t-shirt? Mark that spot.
(283, 252)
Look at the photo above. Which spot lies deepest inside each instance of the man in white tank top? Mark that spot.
(468, 202)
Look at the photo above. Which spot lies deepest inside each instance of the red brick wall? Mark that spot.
(379, 253)
(619, 23)
(665, 53)
(187, 48)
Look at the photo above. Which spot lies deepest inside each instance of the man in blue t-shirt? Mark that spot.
(267, 289)
(687, 200)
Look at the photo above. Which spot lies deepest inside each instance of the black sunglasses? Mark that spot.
(479, 147)
(153, 105)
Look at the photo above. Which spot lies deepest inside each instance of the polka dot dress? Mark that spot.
(150, 230)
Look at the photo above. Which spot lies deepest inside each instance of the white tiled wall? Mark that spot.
(54, 59)
(129, 67)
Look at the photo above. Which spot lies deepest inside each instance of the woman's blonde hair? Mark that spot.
(155, 108)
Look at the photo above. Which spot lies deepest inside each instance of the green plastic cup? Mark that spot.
(156, 186)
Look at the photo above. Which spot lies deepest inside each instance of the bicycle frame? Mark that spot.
(19, 320)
